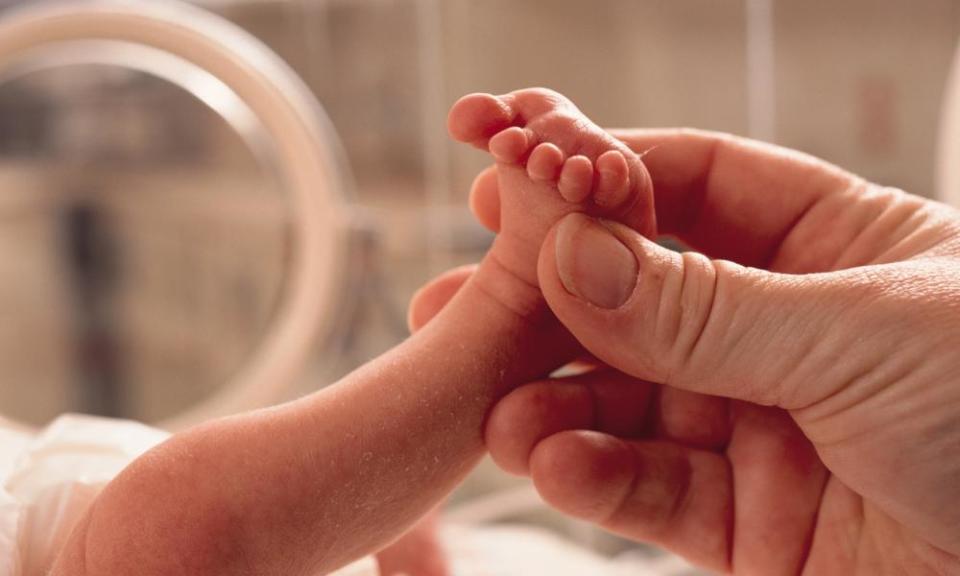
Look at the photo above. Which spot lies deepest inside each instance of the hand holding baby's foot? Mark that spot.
(551, 160)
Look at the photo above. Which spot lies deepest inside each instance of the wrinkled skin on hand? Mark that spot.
(785, 401)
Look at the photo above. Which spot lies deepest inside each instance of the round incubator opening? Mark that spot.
(172, 216)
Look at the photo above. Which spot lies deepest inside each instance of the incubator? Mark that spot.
(183, 193)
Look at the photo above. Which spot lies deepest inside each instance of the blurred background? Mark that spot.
(144, 245)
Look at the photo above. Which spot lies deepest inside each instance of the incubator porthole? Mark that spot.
(170, 216)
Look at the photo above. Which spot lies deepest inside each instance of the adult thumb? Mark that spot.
(708, 326)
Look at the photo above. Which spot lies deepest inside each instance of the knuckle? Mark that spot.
(706, 328)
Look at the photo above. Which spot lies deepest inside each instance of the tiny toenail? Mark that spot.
(593, 264)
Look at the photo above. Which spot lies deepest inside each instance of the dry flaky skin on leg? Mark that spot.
(309, 486)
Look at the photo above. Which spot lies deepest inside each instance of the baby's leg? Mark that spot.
(306, 487)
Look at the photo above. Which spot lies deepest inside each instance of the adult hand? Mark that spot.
(806, 416)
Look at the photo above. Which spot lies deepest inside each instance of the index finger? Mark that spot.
(731, 197)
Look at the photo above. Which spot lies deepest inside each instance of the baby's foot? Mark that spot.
(552, 160)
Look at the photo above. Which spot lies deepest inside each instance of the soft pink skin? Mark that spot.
(553, 161)
(813, 428)
(306, 487)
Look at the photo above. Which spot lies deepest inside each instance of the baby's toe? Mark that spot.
(476, 117)
(512, 145)
(545, 162)
(576, 179)
(613, 180)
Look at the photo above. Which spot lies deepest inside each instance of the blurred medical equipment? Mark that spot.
(113, 263)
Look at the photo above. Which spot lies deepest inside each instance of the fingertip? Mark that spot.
(645, 490)
(594, 264)
(547, 259)
(420, 311)
(558, 246)
(531, 413)
(584, 295)
(430, 299)
(485, 199)
(585, 474)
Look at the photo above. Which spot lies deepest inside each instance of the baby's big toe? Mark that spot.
(475, 118)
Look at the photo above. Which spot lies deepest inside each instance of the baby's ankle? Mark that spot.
(505, 277)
